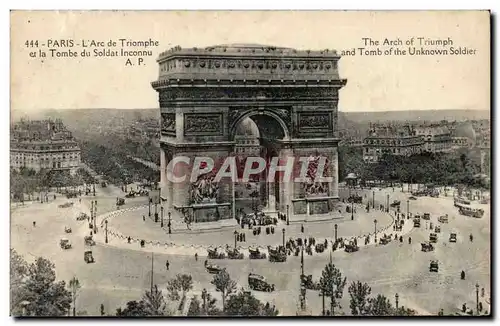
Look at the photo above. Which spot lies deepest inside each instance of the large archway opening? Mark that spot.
(258, 134)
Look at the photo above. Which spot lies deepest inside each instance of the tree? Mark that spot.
(46, 297)
(380, 306)
(245, 304)
(197, 308)
(359, 293)
(133, 309)
(154, 302)
(333, 284)
(74, 286)
(18, 274)
(224, 284)
(183, 283)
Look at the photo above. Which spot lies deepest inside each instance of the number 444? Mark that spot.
(31, 44)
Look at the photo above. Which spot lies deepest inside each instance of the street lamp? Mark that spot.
(287, 215)
(373, 199)
(375, 222)
(408, 207)
(235, 238)
(149, 206)
(387, 209)
(169, 223)
(204, 297)
(477, 299)
(156, 212)
(336, 227)
(352, 209)
(106, 240)
(283, 237)
(397, 302)
(161, 209)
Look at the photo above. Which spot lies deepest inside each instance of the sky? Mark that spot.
(375, 83)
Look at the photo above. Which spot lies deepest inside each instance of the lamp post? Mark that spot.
(375, 222)
(387, 210)
(95, 215)
(287, 214)
(352, 209)
(106, 239)
(283, 230)
(477, 299)
(161, 210)
(149, 206)
(373, 199)
(204, 297)
(235, 238)
(336, 227)
(156, 212)
(397, 302)
(169, 223)
(408, 207)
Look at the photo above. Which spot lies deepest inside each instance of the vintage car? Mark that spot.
(320, 247)
(256, 254)
(67, 229)
(351, 247)
(396, 203)
(412, 198)
(433, 237)
(443, 219)
(82, 217)
(427, 246)
(308, 282)
(213, 254)
(385, 240)
(277, 255)
(416, 222)
(437, 229)
(88, 240)
(355, 199)
(453, 237)
(66, 205)
(213, 269)
(234, 253)
(426, 216)
(64, 243)
(88, 257)
(104, 184)
(131, 194)
(259, 283)
(434, 266)
(471, 212)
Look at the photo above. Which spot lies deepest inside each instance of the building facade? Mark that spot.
(436, 137)
(395, 140)
(43, 144)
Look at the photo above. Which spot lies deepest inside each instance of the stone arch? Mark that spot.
(252, 113)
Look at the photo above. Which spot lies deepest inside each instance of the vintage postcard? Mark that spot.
(250, 163)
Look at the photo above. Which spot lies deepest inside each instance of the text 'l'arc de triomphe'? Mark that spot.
(291, 95)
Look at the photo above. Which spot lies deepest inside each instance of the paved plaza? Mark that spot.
(122, 271)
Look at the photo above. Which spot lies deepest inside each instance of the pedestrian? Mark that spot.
(464, 307)
(302, 228)
(482, 292)
(34, 223)
(167, 264)
(462, 275)
(196, 256)
(128, 239)
(471, 237)
(480, 306)
(409, 240)
(144, 218)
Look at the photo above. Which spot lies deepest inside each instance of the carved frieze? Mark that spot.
(203, 124)
(168, 124)
(205, 189)
(315, 121)
(254, 93)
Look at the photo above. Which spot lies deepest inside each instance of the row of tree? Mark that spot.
(116, 164)
(458, 167)
(332, 285)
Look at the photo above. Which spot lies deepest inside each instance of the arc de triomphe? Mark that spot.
(292, 97)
